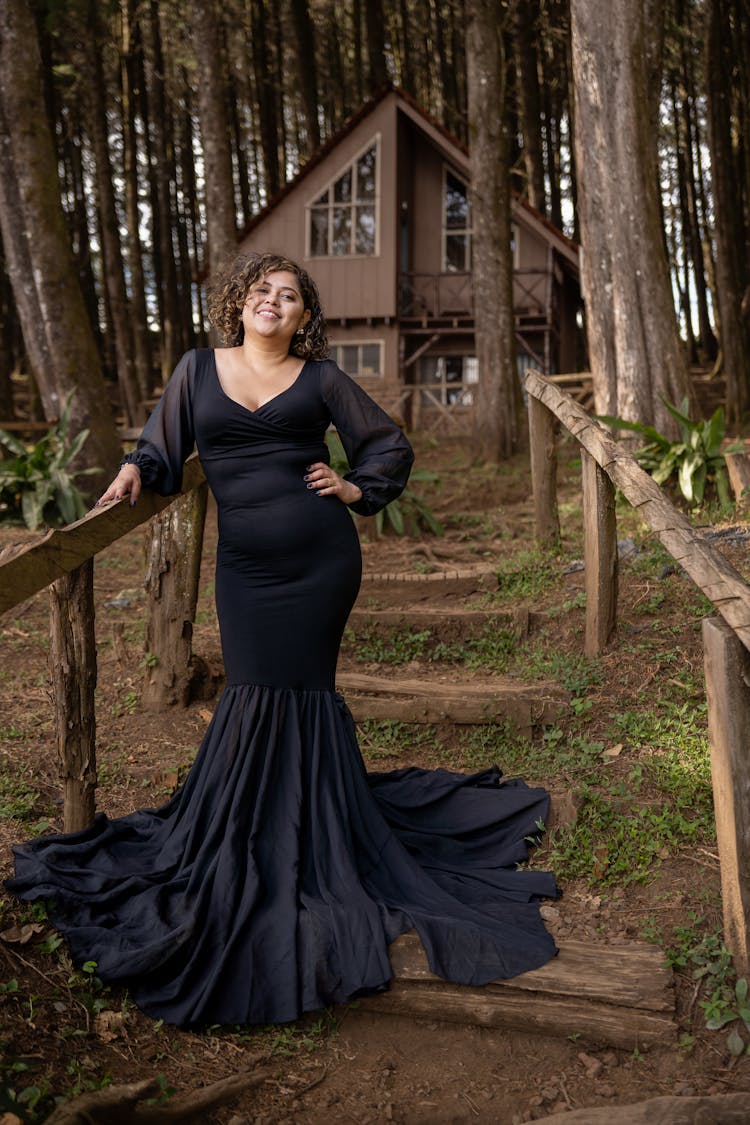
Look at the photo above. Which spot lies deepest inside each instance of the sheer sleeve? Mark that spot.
(168, 437)
(378, 451)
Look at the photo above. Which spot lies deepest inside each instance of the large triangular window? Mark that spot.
(343, 221)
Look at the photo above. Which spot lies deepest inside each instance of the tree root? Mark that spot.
(119, 1105)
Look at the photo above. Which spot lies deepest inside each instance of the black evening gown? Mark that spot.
(274, 880)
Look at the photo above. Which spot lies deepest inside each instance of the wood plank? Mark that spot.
(446, 622)
(727, 665)
(422, 701)
(620, 996)
(600, 555)
(28, 568)
(72, 661)
(544, 472)
(174, 548)
(631, 974)
(710, 571)
(545, 1014)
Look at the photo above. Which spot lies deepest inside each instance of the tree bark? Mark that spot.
(162, 173)
(132, 46)
(635, 350)
(112, 261)
(221, 216)
(497, 410)
(732, 231)
(525, 33)
(304, 49)
(72, 658)
(57, 333)
(174, 545)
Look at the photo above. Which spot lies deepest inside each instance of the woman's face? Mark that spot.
(274, 308)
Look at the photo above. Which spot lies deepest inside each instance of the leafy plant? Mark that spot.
(697, 458)
(37, 482)
(409, 513)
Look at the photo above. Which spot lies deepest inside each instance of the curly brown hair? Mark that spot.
(227, 297)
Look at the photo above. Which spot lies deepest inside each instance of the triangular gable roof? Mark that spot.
(451, 147)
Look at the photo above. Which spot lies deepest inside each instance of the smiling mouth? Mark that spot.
(267, 313)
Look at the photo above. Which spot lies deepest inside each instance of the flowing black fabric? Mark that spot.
(273, 881)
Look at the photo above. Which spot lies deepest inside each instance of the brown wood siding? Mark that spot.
(350, 287)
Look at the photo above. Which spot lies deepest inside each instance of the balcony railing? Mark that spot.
(438, 296)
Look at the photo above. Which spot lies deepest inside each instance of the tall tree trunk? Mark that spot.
(56, 329)
(266, 95)
(732, 231)
(497, 410)
(377, 72)
(635, 350)
(303, 39)
(525, 33)
(131, 46)
(113, 267)
(161, 170)
(221, 215)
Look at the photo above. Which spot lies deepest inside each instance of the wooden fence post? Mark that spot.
(173, 549)
(544, 472)
(727, 664)
(600, 555)
(73, 672)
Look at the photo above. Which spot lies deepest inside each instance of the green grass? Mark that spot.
(384, 739)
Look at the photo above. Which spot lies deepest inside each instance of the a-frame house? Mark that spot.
(381, 218)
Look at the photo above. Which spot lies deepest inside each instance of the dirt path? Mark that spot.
(348, 1065)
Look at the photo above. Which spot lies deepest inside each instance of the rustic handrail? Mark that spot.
(726, 643)
(712, 573)
(27, 568)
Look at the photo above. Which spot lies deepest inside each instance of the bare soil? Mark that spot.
(347, 1065)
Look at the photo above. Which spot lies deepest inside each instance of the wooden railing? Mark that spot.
(63, 560)
(726, 641)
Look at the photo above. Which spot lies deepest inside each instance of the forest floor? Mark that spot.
(638, 863)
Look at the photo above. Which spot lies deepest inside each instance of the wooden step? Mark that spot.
(409, 588)
(433, 701)
(446, 623)
(618, 995)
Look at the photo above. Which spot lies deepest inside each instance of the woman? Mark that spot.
(273, 881)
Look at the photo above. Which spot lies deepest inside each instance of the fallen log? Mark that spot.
(123, 1105)
(618, 995)
(719, 1109)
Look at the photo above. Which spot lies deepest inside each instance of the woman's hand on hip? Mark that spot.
(326, 482)
(126, 483)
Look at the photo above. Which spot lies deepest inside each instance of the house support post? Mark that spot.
(72, 661)
(600, 555)
(174, 545)
(544, 472)
(727, 664)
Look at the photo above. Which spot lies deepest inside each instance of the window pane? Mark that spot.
(349, 359)
(319, 231)
(322, 200)
(455, 252)
(342, 189)
(456, 203)
(366, 167)
(370, 359)
(342, 230)
(365, 231)
(454, 365)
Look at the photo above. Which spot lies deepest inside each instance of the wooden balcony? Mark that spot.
(435, 299)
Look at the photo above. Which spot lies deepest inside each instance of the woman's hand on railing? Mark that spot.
(126, 483)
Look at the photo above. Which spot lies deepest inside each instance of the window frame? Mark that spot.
(359, 344)
(446, 231)
(311, 206)
(441, 388)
